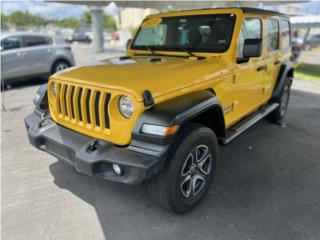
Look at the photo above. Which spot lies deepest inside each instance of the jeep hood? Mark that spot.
(159, 75)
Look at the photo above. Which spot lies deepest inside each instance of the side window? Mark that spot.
(11, 43)
(273, 35)
(251, 29)
(30, 41)
(285, 35)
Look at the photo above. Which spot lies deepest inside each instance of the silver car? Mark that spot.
(29, 54)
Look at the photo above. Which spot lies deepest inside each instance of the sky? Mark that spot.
(49, 10)
(59, 10)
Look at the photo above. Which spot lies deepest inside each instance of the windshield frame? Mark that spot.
(175, 50)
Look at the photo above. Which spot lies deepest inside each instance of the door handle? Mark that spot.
(262, 68)
(19, 54)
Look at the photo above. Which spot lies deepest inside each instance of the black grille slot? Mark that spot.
(64, 106)
(106, 114)
(96, 108)
(79, 104)
(88, 105)
(72, 102)
(58, 97)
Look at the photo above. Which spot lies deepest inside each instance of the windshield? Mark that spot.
(201, 33)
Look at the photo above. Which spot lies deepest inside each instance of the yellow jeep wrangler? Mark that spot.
(189, 80)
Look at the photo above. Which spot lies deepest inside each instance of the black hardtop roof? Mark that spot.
(262, 11)
(244, 10)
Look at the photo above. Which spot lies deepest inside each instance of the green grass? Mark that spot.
(308, 72)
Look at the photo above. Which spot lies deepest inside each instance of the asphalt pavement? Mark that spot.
(266, 188)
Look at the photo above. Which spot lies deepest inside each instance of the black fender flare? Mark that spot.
(178, 111)
(282, 78)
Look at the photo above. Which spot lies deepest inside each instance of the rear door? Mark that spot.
(37, 51)
(272, 56)
(11, 64)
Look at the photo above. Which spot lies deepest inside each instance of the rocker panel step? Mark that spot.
(247, 122)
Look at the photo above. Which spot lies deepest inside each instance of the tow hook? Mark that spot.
(93, 145)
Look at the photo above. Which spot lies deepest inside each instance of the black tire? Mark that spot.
(279, 113)
(171, 187)
(59, 65)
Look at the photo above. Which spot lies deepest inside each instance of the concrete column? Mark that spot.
(305, 38)
(97, 29)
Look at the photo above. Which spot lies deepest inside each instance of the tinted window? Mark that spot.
(251, 29)
(30, 41)
(273, 35)
(11, 43)
(285, 35)
(207, 33)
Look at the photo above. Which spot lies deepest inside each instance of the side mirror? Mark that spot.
(252, 48)
(128, 43)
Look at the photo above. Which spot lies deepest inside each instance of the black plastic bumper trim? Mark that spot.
(73, 148)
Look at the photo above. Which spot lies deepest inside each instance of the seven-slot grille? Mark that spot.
(82, 105)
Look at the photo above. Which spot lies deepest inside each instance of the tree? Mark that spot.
(25, 19)
(86, 18)
(68, 22)
(4, 21)
(109, 22)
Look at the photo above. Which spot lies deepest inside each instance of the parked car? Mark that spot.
(79, 37)
(298, 44)
(312, 42)
(31, 54)
(189, 80)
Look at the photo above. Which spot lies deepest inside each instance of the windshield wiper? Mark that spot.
(150, 50)
(191, 54)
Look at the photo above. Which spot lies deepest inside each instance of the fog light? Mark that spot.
(117, 169)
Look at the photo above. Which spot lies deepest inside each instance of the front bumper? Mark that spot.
(74, 149)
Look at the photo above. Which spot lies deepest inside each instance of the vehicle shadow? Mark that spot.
(22, 83)
(261, 177)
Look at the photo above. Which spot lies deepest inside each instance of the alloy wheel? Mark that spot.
(60, 67)
(195, 171)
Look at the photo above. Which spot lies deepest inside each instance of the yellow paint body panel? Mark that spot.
(238, 86)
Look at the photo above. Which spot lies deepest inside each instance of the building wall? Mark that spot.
(129, 18)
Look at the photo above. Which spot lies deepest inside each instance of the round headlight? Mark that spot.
(126, 106)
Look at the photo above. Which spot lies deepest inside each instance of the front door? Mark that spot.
(272, 56)
(248, 74)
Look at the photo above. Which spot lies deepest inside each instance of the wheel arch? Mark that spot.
(205, 118)
(60, 59)
(286, 70)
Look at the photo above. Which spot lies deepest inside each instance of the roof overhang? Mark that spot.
(179, 4)
(305, 22)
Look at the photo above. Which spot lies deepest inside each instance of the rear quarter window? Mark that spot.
(31, 41)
